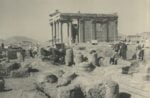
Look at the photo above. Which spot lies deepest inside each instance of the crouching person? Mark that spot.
(114, 59)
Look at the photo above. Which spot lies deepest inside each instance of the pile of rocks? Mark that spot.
(88, 63)
(106, 89)
(64, 85)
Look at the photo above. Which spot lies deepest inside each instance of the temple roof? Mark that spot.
(79, 15)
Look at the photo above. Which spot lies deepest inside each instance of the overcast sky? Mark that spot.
(31, 17)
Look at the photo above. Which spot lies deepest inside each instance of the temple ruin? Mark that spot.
(83, 27)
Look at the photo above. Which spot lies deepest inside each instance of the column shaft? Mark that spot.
(55, 36)
(60, 32)
(83, 31)
(78, 32)
(95, 31)
(116, 30)
(52, 32)
(93, 35)
(70, 32)
(108, 31)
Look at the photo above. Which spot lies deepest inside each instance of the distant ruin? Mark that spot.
(83, 27)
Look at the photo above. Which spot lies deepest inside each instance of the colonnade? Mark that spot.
(57, 31)
(58, 34)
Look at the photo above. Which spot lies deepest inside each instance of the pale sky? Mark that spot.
(30, 18)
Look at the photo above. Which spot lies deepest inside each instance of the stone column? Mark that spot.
(70, 32)
(77, 37)
(79, 32)
(93, 35)
(107, 31)
(83, 31)
(53, 32)
(60, 31)
(116, 37)
(51, 24)
(95, 31)
(55, 36)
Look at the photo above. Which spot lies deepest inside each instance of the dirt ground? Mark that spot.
(134, 86)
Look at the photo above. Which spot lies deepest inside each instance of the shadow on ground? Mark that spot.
(124, 95)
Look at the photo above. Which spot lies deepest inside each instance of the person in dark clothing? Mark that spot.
(31, 53)
(2, 45)
(116, 47)
(140, 50)
(23, 53)
(123, 51)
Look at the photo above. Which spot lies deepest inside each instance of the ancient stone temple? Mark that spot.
(83, 27)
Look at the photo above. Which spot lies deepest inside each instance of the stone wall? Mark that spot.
(112, 30)
(101, 32)
(88, 31)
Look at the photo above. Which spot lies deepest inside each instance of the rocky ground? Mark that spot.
(130, 86)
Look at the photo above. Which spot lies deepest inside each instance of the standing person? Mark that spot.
(119, 49)
(140, 50)
(2, 45)
(123, 50)
(23, 53)
(30, 51)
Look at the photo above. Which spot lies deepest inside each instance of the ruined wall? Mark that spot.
(101, 32)
(88, 30)
(85, 30)
(112, 30)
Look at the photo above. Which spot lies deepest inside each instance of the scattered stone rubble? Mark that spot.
(63, 84)
(68, 87)
(106, 89)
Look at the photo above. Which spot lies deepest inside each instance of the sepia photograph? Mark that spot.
(74, 48)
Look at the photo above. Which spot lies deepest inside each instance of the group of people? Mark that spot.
(120, 51)
(31, 52)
